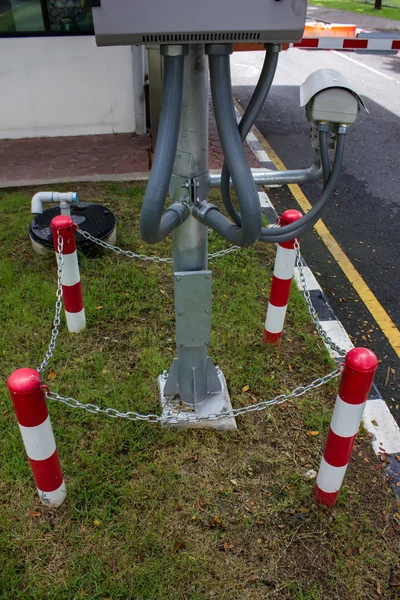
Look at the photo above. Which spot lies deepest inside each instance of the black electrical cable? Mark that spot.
(326, 163)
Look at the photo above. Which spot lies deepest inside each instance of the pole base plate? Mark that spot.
(213, 403)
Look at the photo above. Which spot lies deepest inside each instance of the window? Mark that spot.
(45, 17)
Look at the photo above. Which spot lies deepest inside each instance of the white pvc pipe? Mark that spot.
(63, 198)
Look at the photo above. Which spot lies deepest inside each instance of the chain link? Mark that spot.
(191, 417)
(155, 259)
(57, 316)
(311, 310)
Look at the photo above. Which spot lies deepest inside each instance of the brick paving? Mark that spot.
(73, 156)
(51, 159)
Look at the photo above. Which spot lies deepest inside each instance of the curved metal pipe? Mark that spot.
(154, 225)
(265, 177)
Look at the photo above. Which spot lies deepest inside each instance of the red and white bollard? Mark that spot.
(27, 395)
(281, 281)
(64, 226)
(358, 374)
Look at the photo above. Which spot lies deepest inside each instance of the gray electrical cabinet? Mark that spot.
(119, 22)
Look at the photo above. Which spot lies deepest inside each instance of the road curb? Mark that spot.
(377, 418)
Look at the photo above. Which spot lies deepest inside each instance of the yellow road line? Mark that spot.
(367, 296)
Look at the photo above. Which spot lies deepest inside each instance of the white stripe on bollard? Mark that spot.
(284, 263)
(75, 321)
(39, 441)
(54, 498)
(71, 274)
(275, 318)
(346, 418)
(330, 478)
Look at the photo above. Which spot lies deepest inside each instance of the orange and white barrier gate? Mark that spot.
(65, 227)
(27, 395)
(281, 281)
(358, 374)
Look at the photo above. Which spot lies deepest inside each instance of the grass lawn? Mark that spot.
(154, 514)
(386, 12)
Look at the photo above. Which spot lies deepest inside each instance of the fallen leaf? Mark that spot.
(99, 307)
(374, 423)
(398, 457)
(245, 388)
(170, 349)
(378, 588)
(178, 545)
(35, 513)
(312, 433)
(234, 482)
(51, 375)
(217, 520)
(96, 522)
(398, 484)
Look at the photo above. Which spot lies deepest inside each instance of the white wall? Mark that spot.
(64, 86)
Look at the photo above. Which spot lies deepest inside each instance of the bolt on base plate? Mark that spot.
(214, 403)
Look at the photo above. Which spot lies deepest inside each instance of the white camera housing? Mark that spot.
(329, 98)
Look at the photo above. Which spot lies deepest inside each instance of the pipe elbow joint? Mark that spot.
(36, 204)
(201, 210)
(180, 209)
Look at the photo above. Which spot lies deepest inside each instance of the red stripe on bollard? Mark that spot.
(358, 373)
(27, 395)
(47, 473)
(280, 291)
(338, 449)
(325, 498)
(72, 296)
(272, 338)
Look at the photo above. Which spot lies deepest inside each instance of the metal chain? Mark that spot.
(155, 259)
(190, 417)
(312, 312)
(57, 316)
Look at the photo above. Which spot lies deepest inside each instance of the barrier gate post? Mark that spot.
(193, 375)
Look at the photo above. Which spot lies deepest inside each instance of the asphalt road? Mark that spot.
(364, 215)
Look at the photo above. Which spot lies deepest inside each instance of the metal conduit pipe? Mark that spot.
(154, 224)
(265, 177)
(236, 160)
(251, 113)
